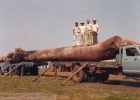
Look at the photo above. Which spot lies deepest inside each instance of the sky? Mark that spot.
(45, 24)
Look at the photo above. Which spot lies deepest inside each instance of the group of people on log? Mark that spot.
(85, 34)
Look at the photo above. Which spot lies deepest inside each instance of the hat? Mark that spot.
(82, 22)
(94, 19)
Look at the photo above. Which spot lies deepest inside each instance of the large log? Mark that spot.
(102, 51)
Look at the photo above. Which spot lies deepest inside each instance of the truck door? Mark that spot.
(131, 61)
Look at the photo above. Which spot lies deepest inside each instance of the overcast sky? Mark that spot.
(44, 24)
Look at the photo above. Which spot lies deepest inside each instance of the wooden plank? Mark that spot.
(74, 74)
(43, 72)
(13, 68)
(55, 74)
(6, 67)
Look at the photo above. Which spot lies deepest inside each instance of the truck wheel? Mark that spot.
(86, 77)
(80, 76)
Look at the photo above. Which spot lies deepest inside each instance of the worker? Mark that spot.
(76, 31)
(95, 31)
(82, 33)
(89, 32)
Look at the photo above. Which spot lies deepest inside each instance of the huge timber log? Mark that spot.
(102, 51)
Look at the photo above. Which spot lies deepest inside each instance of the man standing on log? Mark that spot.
(76, 34)
(89, 32)
(82, 33)
(95, 31)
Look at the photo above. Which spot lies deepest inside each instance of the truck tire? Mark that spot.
(80, 76)
(86, 77)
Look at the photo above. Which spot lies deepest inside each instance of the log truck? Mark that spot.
(126, 55)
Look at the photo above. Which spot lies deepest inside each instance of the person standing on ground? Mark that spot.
(89, 32)
(95, 31)
(76, 34)
(82, 33)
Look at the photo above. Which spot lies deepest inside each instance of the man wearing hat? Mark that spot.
(89, 32)
(82, 33)
(95, 31)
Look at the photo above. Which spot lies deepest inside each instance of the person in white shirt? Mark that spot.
(82, 33)
(89, 32)
(76, 31)
(95, 31)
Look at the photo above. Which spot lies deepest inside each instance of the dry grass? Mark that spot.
(116, 88)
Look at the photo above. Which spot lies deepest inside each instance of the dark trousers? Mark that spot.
(95, 40)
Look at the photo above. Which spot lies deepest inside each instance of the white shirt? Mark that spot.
(94, 27)
(89, 26)
(82, 29)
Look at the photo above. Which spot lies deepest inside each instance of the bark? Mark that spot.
(102, 51)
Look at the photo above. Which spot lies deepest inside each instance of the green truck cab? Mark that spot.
(129, 60)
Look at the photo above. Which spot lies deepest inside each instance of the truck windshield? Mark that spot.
(132, 52)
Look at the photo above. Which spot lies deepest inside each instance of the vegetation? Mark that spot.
(115, 89)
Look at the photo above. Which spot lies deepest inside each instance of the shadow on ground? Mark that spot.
(109, 82)
(123, 82)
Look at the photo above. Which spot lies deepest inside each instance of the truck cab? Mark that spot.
(129, 57)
